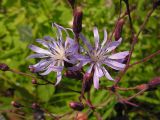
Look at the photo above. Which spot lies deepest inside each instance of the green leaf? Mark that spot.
(45, 92)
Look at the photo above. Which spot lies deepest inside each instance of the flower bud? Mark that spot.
(156, 4)
(77, 22)
(35, 106)
(16, 104)
(76, 106)
(118, 30)
(154, 83)
(34, 81)
(87, 78)
(74, 74)
(72, 3)
(38, 114)
(4, 67)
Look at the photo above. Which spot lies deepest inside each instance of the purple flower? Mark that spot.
(57, 52)
(99, 57)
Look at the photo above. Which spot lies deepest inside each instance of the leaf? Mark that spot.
(45, 92)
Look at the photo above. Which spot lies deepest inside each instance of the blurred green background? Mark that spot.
(22, 21)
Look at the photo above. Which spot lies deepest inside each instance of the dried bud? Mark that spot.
(74, 74)
(118, 30)
(16, 104)
(82, 116)
(34, 81)
(156, 4)
(87, 78)
(142, 87)
(71, 2)
(77, 22)
(76, 106)
(154, 83)
(39, 114)
(35, 106)
(4, 67)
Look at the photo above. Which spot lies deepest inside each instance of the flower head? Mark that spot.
(98, 56)
(57, 52)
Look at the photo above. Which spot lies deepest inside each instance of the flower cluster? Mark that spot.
(60, 51)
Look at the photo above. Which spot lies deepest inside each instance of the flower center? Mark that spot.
(97, 56)
(59, 52)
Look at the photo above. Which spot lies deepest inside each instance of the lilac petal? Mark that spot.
(100, 72)
(44, 43)
(90, 69)
(86, 42)
(47, 71)
(48, 38)
(113, 45)
(52, 68)
(62, 28)
(38, 55)
(40, 66)
(69, 41)
(81, 57)
(115, 65)
(42, 62)
(78, 66)
(107, 74)
(59, 30)
(120, 55)
(73, 49)
(105, 38)
(72, 59)
(59, 33)
(38, 49)
(59, 77)
(67, 60)
(96, 78)
(96, 37)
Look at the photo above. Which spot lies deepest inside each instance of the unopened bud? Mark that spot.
(74, 74)
(71, 2)
(34, 81)
(35, 106)
(154, 83)
(118, 29)
(76, 106)
(142, 87)
(4, 67)
(156, 4)
(16, 104)
(77, 22)
(87, 78)
(38, 114)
